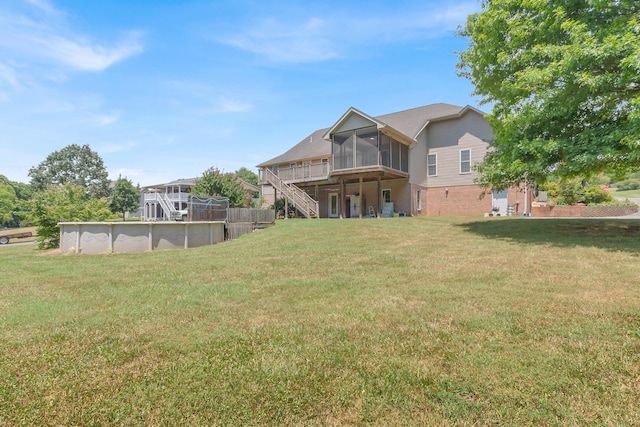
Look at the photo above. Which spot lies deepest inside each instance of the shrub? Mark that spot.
(279, 207)
(570, 193)
(628, 185)
(66, 203)
(552, 189)
(593, 195)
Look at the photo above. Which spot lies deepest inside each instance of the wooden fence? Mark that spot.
(259, 216)
(243, 221)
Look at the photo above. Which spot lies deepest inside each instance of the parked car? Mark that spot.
(180, 215)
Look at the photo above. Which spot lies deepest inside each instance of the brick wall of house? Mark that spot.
(582, 211)
(459, 200)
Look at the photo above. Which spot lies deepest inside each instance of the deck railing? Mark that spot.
(173, 197)
(299, 173)
(298, 197)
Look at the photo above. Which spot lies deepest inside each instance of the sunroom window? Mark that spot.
(343, 150)
(368, 147)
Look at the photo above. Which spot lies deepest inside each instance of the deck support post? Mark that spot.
(343, 198)
(361, 199)
(379, 197)
(286, 207)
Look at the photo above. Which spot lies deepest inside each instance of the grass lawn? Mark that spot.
(625, 194)
(403, 321)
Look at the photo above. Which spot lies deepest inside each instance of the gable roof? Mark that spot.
(411, 122)
(186, 182)
(407, 122)
(311, 147)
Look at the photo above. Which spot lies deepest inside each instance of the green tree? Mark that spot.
(247, 176)
(68, 203)
(8, 205)
(74, 164)
(124, 197)
(23, 191)
(218, 184)
(564, 80)
(13, 196)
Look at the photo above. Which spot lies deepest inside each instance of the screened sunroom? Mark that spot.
(368, 149)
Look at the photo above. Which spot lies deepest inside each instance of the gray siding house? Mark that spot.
(413, 162)
(170, 200)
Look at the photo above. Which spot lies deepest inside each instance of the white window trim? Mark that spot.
(436, 164)
(460, 161)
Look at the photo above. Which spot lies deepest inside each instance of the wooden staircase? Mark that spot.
(295, 195)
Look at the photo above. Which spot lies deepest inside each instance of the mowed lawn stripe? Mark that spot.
(403, 321)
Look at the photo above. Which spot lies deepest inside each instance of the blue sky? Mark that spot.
(165, 89)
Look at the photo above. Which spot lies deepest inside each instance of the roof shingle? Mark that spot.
(409, 122)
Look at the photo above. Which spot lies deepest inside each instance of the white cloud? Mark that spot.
(132, 175)
(8, 75)
(41, 35)
(107, 119)
(43, 5)
(283, 42)
(342, 32)
(232, 106)
(87, 56)
(204, 98)
(117, 148)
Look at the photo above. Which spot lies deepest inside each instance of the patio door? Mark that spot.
(500, 202)
(354, 203)
(333, 205)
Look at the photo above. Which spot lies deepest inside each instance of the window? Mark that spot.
(432, 164)
(404, 158)
(465, 161)
(395, 154)
(385, 150)
(333, 205)
(366, 147)
(419, 200)
(343, 150)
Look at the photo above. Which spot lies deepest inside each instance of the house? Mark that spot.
(166, 201)
(413, 162)
(171, 200)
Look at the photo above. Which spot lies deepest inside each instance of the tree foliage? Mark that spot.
(8, 204)
(74, 164)
(218, 184)
(564, 80)
(124, 197)
(68, 203)
(13, 196)
(570, 192)
(247, 176)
